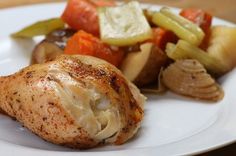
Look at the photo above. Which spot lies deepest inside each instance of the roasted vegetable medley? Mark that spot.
(153, 48)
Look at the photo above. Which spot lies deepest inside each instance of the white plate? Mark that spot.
(173, 125)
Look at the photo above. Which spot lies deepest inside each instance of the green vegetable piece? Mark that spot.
(40, 28)
(180, 31)
(184, 22)
(182, 27)
(185, 50)
(123, 25)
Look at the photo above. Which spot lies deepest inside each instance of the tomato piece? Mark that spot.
(162, 36)
(199, 17)
(86, 44)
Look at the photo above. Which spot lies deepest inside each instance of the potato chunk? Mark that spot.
(143, 67)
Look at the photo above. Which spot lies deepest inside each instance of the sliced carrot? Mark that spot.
(202, 19)
(86, 44)
(199, 17)
(82, 14)
(162, 36)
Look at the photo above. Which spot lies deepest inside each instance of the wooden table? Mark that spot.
(221, 8)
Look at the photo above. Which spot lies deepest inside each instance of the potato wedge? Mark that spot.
(143, 67)
(222, 46)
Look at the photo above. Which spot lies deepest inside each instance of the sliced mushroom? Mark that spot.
(52, 46)
(143, 67)
(45, 51)
(60, 37)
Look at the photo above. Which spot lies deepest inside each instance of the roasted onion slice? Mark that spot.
(189, 77)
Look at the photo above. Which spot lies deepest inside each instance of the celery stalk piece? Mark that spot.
(179, 30)
(184, 22)
(170, 47)
(184, 50)
(183, 28)
(123, 25)
(40, 28)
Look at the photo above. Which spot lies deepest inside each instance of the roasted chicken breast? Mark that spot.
(76, 101)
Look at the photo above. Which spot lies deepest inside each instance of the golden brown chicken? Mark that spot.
(77, 101)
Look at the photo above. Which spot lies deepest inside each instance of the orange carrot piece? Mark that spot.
(162, 36)
(86, 44)
(82, 14)
(199, 17)
(202, 19)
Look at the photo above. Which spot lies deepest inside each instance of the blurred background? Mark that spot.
(221, 8)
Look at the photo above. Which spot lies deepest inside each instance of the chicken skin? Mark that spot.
(76, 101)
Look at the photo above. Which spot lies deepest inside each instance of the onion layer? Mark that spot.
(189, 77)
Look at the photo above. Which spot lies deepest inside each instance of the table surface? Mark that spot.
(225, 9)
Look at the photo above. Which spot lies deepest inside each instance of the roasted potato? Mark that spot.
(143, 67)
(222, 46)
